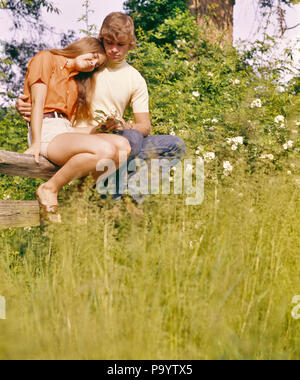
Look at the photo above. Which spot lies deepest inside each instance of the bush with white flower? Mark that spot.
(211, 97)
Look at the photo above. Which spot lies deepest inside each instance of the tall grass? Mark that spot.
(208, 282)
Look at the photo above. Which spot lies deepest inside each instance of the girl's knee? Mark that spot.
(123, 146)
(106, 150)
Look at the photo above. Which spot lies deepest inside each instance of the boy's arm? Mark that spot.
(24, 108)
(142, 123)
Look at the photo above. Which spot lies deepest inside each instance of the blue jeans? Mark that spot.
(146, 148)
(159, 146)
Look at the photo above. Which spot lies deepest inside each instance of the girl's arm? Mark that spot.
(38, 97)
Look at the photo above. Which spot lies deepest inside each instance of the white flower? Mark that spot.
(236, 81)
(215, 121)
(288, 145)
(172, 133)
(282, 126)
(289, 172)
(227, 166)
(239, 140)
(236, 141)
(210, 75)
(267, 156)
(210, 156)
(198, 152)
(6, 197)
(297, 123)
(234, 147)
(176, 51)
(196, 94)
(279, 119)
(256, 103)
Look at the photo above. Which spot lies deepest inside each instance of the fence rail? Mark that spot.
(22, 213)
(23, 165)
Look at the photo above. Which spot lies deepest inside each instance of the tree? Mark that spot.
(278, 7)
(26, 15)
(149, 15)
(217, 13)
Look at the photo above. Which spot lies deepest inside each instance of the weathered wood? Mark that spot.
(23, 165)
(19, 214)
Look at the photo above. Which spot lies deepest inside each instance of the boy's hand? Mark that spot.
(34, 151)
(24, 108)
(113, 125)
(110, 125)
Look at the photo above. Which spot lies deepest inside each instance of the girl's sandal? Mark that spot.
(49, 211)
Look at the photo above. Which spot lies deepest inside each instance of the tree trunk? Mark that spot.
(217, 13)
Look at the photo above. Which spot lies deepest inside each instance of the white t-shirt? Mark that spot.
(118, 86)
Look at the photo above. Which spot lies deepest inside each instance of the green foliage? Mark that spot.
(90, 29)
(206, 94)
(27, 10)
(149, 15)
(13, 137)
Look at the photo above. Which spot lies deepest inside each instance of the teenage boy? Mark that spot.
(120, 85)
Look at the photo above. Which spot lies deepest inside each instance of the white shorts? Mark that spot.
(50, 129)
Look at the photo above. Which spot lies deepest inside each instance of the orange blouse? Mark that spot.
(51, 70)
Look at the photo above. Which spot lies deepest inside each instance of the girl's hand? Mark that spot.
(35, 151)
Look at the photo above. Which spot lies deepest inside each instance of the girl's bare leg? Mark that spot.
(121, 144)
(79, 155)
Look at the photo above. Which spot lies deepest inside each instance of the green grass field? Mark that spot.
(209, 282)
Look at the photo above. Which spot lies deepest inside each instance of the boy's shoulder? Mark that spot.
(135, 73)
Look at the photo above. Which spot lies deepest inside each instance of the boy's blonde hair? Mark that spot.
(118, 25)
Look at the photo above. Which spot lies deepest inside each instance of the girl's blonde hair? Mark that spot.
(118, 25)
(86, 82)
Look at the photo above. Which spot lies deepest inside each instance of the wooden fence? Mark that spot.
(22, 213)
